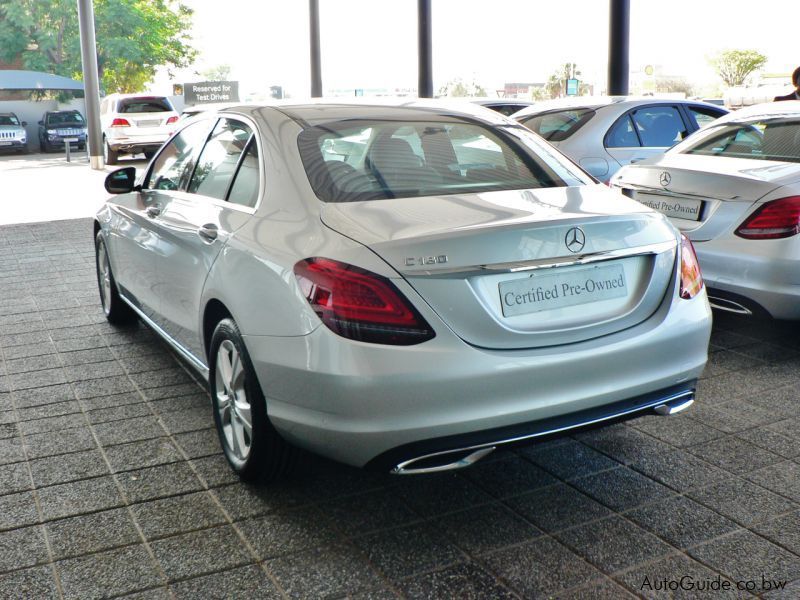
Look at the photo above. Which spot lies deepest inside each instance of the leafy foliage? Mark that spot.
(557, 83)
(217, 73)
(733, 66)
(134, 37)
(458, 88)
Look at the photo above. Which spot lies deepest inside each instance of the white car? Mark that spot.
(602, 134)
(733, 188)
(135, 124)
(12, 133)
(404, 286)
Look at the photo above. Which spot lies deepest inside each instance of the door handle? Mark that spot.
(153, 211)
(208, 232)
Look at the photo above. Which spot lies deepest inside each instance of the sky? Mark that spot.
(371, 44)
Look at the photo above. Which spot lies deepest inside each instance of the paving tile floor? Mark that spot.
(112, 482)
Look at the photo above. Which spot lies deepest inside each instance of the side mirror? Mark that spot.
(41, 122)
(24, 123)
(121, 181)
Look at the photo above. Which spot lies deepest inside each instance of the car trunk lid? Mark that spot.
(690, 189)
(505, 269)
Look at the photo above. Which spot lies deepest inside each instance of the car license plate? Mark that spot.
(679, 208)
(5, 143)
(155, 123)
(562, 287)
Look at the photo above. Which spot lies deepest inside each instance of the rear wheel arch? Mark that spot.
(214, 312)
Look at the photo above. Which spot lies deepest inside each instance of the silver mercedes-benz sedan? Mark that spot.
(604, 133)
(733, 188)
(398, 286)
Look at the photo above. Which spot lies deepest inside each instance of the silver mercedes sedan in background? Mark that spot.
(603, 133)
(734, 190)
(398, 286)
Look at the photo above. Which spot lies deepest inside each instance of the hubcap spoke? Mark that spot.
(232, 404)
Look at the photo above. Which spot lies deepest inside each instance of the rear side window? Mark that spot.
(659, 126)
(623, 134)
(773, 139)
(144, 105)
(557, 126)
(371, 160)
(703, 115)
(218, 161)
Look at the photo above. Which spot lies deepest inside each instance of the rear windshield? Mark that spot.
(144, 105)
(65, 118)
(8, 120)
(557, 125)
(765, 139)
(359, 160)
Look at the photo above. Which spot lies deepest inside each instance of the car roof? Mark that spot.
(596, 102)
(325, 110)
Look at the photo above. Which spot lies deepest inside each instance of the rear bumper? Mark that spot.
(438, 454)
(135, 144)
(359, 402)
(759, 274)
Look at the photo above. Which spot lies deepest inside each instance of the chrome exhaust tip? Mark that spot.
(442, 461)
(675, 405)
(729, 306)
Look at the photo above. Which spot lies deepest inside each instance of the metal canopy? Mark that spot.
(33, 80)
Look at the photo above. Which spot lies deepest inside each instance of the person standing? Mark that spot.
(795, 95)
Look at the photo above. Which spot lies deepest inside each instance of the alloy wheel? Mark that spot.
(232, 403)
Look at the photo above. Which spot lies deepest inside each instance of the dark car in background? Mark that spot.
(57, 126)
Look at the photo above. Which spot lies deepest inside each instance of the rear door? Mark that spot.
(644, 132)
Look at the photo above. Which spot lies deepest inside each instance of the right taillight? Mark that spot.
(360, 305)
(774, 220)
(120, 123)
(691, 278)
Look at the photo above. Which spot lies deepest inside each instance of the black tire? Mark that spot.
(110, 156)
(115, 309)
(268, 456)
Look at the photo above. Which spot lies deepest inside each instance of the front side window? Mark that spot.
(356, 160)
(767, 139)
(173, 165)
(659, 126)
(558, 125)
(218, 161)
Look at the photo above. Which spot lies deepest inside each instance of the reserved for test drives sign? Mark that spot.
(210, 91)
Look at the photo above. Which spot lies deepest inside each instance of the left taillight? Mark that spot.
(172, 120)
(360, 305)
(691, 278)
(774, 220)
(120, 123)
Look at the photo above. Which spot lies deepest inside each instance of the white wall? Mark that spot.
(31, 111)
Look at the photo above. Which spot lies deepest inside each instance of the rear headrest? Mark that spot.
(392, 153)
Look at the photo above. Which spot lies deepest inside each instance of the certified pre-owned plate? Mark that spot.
(560, 288)
(680, 208)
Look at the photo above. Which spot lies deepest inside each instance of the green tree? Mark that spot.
(733, 66)
(217, 73)
(557, 83)
(458, 88)
(134, 37)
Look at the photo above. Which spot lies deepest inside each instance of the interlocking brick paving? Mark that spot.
(112, 481)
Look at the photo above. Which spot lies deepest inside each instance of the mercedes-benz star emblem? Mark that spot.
(575, 239)
(665, 179)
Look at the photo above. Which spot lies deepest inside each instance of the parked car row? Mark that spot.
(403, 286)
